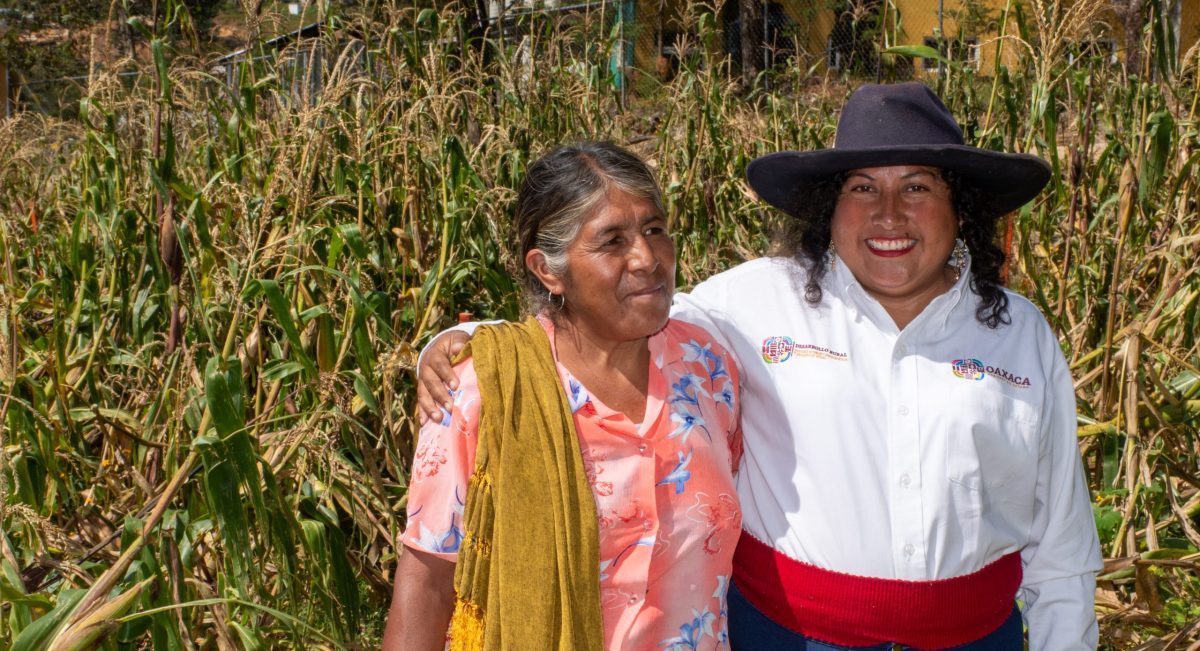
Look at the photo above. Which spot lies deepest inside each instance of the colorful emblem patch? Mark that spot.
(968, 369)
(777, 349)
(973, 369)
(781, 349)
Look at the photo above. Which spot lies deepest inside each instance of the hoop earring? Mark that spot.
(562, 300)
(958, 257)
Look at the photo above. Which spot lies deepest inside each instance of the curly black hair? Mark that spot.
(806, 233)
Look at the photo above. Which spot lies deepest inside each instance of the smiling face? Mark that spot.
(894, 228)
(620, 272)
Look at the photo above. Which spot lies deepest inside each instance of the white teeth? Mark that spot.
(891, 245)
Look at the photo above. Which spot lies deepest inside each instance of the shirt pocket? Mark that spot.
(992, 445)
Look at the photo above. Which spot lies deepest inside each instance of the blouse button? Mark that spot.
(647, 525)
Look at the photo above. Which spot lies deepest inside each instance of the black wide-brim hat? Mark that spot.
(898, 124)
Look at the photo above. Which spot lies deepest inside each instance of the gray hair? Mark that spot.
(561, 190)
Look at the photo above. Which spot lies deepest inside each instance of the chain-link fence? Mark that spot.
(893, 39)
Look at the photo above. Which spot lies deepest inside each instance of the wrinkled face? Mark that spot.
(894, 227)
(620, 274)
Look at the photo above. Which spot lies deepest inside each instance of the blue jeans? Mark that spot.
(750, 630)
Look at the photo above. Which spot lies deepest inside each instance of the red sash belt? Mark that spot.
(851, 610)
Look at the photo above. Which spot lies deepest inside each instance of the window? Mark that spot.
(835, 59)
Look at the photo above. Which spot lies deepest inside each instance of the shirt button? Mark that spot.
(643, 448)
(905, 480)
(633, 599)
(901, 350)
(903, 411)
(908, 550)
(647, 525)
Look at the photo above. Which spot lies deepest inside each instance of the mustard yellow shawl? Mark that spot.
(528, 573)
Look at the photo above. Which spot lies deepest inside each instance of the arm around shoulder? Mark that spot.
(435, 374)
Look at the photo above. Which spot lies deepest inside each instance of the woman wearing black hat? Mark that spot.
(910, 462)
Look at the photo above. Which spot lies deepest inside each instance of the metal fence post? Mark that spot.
(941, 38)
(765, 45)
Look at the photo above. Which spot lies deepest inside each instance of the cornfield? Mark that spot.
(213, 289)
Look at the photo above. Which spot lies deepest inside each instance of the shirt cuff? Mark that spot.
(1061, 614)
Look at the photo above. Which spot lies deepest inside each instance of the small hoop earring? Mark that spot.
(958, 257)
(562, 300)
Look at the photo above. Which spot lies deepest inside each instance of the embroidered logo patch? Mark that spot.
(973, 369)
(781, 349)
(777, 349)
(968, 369)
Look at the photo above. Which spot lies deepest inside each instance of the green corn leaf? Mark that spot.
(222, 385)
(40, 631)
(158, 51)
(313, 312)
(919, 52)
(221, 487)
(1161, 138)
(353, 236)
(224, 394)
(363, 391)
(283, 315)
(280, 369)
(250, 640)
(327, 344)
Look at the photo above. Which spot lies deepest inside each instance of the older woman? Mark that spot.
(582, 480)
(911, 468)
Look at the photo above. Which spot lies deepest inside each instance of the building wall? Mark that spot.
(1189, 26)
(969, 35)
(813, 21)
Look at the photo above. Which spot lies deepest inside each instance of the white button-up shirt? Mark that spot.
(918, 454)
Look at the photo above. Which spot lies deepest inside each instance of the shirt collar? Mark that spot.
(657, 343)
(845, 286)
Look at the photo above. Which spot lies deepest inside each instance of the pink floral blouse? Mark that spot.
(668, 515)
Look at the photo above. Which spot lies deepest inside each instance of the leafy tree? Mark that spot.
(50, 59)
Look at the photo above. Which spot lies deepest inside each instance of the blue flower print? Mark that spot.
(606, 566)
(725, 395)
(457, 396)
(445, 418)
(691, 632)
(685, 421)
(694, 352)
(721, 595)
(680, 475)
(718, 367)
(687, 389)
(714, 364)
(446, 542)
(449, 540)
(577, 397)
